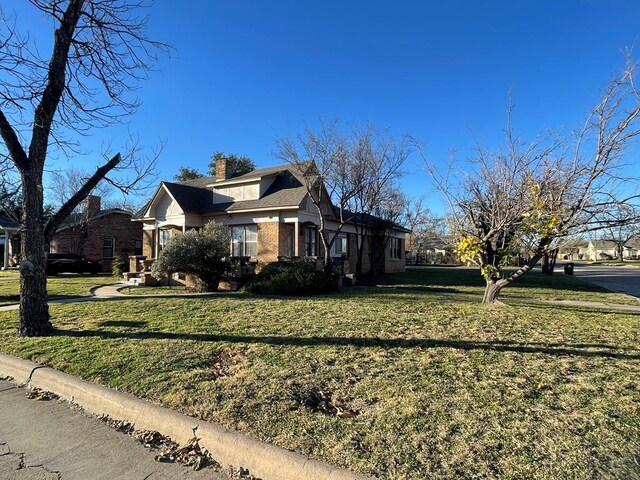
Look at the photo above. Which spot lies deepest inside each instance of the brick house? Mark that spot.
(270, 215)
(98, 234)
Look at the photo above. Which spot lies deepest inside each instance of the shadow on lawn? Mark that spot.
(446, 279)
(559, 349)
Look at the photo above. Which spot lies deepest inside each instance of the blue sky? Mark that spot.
(247, 72)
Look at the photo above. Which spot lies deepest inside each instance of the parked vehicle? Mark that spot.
(69, 262)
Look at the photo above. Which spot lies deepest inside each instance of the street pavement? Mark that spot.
(48, 440)
(617, 278)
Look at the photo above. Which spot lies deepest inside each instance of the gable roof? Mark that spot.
(287, 191)
(373, 221)
(194, 197)
(78, 218)
(8, 225)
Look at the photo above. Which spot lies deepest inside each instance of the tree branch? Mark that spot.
(46, 109)
(12, 142)
(79, 196)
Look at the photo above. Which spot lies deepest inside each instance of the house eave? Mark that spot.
(238, 181)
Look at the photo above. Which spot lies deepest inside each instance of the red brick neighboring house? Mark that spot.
(98, 234)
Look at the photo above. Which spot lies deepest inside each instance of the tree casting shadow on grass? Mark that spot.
(557, 349)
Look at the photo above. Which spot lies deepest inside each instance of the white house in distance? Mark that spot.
(594, 250)
(270, 215)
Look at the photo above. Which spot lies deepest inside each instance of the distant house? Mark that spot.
(594, 250)
(574, 249)
(432, 249)
(98, 234)
(270, 215)
(9, 242)
(601, 249)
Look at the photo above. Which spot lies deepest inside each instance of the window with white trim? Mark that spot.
(164, 236)
(396, 248)
(244, 241)
(341, 245)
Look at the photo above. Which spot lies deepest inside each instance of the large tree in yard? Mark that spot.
(348, 174)
(99, 54)
(527, 196)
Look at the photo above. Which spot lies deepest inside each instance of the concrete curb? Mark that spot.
(229, 448)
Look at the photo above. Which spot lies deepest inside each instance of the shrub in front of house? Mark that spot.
(201, 254)
(291, 278)
(119, 265)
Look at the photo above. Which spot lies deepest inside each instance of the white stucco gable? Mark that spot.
(163, 206)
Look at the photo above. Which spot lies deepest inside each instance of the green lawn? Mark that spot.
(399, 384)
(60, 286)
(533, 285)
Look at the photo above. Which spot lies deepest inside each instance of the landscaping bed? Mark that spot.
(395, 384)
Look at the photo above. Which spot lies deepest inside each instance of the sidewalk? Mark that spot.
(46, 440)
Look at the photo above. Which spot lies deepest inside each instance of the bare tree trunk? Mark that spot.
(326, 257)
(491, 292)
(620, 251)
(359, 254)
(34, 311)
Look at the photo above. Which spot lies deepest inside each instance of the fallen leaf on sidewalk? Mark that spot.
(38, 394)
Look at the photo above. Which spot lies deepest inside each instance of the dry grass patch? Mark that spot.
(399, 385)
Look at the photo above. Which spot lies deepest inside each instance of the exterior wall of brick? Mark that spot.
(395, 265)
(268, 241)
(88, 242)
(286, 229)
(147, 243)
(352, 243)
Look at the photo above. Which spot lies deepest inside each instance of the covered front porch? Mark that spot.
(9, 242)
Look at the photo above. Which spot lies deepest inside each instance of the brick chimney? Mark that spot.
(91, 205)
(221, 169)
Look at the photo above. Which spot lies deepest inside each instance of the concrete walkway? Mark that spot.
(107, 292)
(48, 440)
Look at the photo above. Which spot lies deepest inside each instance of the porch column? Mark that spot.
(296, 239)
(6, 250)
(156, 242)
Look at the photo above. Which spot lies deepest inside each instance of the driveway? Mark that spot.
(617, 278)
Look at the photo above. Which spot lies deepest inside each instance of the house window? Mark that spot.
(291, 243)
(341, 245)
(164, 238)
(108, 246)
(310, 241)
(137, 247)
(244, 241)
(396, 248)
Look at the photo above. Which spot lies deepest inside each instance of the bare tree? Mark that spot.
(383, 221)
(528, 195)
(64, 184)
(99, 55)
(322, 159)
(621, 224)
(426, 229)
(375, 164)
